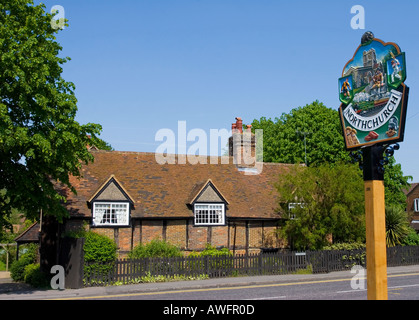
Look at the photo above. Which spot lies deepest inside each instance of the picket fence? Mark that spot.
(136, 270)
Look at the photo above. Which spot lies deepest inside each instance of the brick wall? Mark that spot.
(197, 237)
(410, 202)
(219, 236)
(151, 229)
(414, 194)
(242, 236)
(176, 233)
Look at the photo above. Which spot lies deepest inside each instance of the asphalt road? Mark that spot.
(400, 287)
(403, 284)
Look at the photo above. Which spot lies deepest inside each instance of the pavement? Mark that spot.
(10, 290)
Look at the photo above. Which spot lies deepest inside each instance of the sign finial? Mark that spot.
(367, 37)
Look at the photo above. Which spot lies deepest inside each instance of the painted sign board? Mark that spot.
(373, 95)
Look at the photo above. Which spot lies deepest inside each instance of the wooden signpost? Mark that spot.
(373, 115)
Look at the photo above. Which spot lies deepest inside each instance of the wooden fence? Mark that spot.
(132, 271)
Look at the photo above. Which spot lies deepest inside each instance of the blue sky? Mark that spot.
(143, 65)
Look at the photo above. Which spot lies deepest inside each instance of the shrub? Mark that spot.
(346, 246)
(412, 238)
(35, 277)
(98, 247)
(397, 225)
(212, 252)
(155, 249)
(17, 269)
(99, 255)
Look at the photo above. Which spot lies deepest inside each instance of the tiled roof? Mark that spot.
(411, 187)
(31, 234)
(165, 190)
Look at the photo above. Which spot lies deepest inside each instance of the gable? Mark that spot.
(208, 193)
(111, 190)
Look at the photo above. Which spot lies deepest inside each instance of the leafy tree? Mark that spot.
(283, 141)
(318, 125)
(395, 182)
(324, 201)
(40, 141)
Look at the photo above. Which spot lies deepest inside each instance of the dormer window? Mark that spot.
(110, 214)
(208, 204)
(209, 213)
(111, 205)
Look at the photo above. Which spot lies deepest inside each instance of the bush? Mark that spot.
(98, 247)
(412, 238)
(35, 277)
(99, 255)
(155, 249)
(212, 252)
(17, 269)
(346, 246)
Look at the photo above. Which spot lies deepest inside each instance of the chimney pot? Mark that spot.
(239, 124)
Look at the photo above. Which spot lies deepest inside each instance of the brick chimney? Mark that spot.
(242, 145)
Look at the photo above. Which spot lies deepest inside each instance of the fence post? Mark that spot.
(207, 267)
(327, 261)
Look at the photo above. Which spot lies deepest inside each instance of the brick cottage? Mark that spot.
(133, 199)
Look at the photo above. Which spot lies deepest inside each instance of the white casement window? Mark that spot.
(209, 214)
(110, 214)
(416, 204)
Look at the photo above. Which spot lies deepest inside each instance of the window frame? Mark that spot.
(416, 205)
(112, 215)
(221, 220)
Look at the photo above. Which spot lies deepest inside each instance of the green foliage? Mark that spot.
(17, 269)
(332, 202)
(395, 182)
(40, 140)
(153, 249)
(211, 251)
(283, 138)
(35, 277)
(98, 248)
(99, 254)
(346, 246)
(397, 225)
(411, 239)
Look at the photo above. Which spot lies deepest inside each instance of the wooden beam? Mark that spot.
(376, 240)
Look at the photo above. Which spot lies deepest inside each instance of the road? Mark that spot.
(400, 287)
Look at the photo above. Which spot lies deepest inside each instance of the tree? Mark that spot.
(283, 141)
(40, 141)
(318, 125)
(322, 201)
(395, 182)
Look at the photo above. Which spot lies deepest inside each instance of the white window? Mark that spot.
(416, 204)
(209, 214)
(108, 214)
